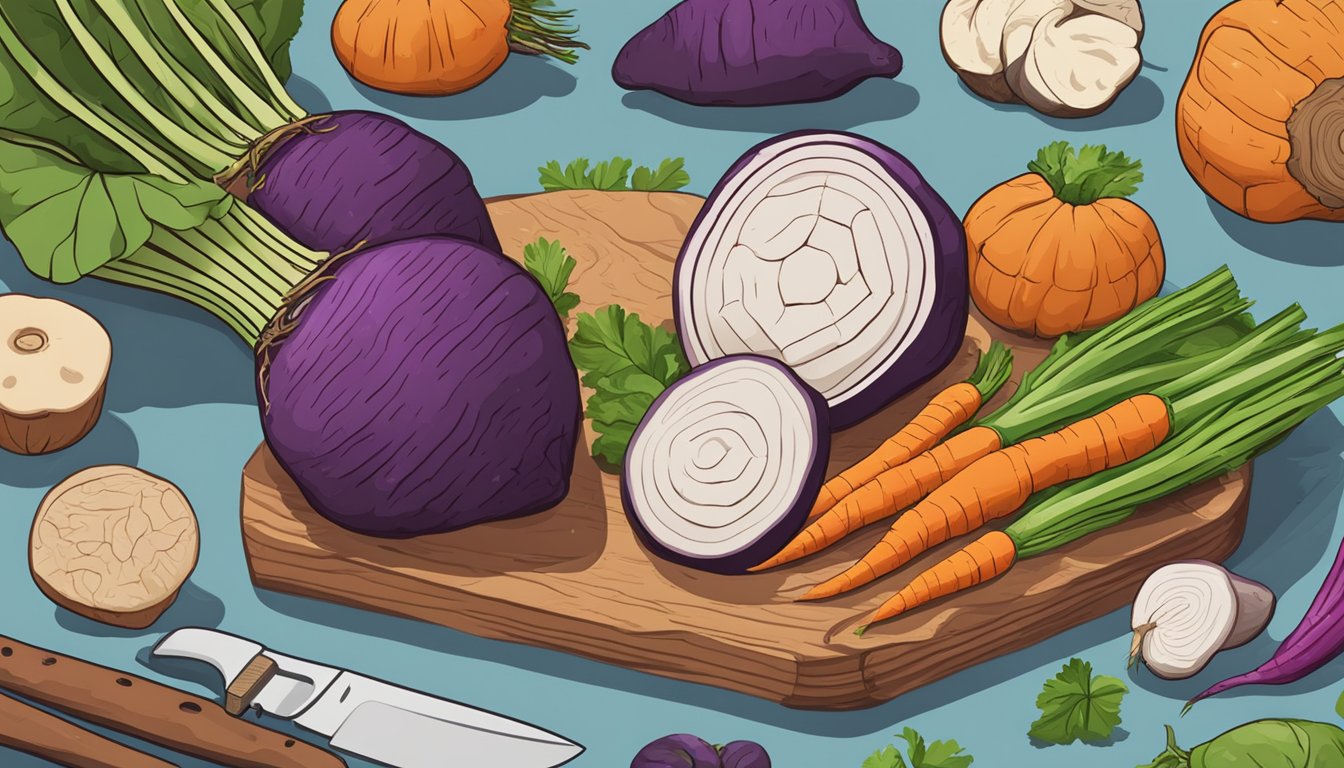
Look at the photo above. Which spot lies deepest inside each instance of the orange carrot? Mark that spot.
(983, 559)
(1001, 482)
(948, 410)
(889, 493)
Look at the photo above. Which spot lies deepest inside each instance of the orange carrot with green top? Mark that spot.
(1222, 421)
(894, 489)
(1162, 340)
(999, 484)
(948, 410)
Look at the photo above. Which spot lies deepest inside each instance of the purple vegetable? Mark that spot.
(337, 180)
(744, 754)
(726, 464)
(1318, 639)
(829, 252)
(424, 387)
(680, 750)
(755, 52)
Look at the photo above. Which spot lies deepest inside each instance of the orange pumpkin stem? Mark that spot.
(1316, 135)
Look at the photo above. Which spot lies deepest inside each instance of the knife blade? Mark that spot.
(378, 720)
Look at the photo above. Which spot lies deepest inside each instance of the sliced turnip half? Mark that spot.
(830, 253)
(1188, 611)
(726, 463)
(1075, 66)
(971, 31)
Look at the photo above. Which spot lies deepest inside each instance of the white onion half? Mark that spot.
(726, 464)
(830, 253)
(1188, 611)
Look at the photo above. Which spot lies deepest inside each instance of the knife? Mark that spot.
(371, 718)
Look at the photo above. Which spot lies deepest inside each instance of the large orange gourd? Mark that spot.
(1061, 249)
(1260, 121)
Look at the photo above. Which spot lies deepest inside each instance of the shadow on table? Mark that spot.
(194, 607)
(1309, 243)
(1141, 102)
(308, 95)
(110, 442)
(1295, 494)
(521, 82)
(869, 102)
(166, 353)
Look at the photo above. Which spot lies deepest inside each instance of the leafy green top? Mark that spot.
(551, 264)
(1075, 705)
(627, 363)
(939, 754)
(1087, 175)
(614, 175)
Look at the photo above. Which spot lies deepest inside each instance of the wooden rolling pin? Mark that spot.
(148, 710)
(29, 729)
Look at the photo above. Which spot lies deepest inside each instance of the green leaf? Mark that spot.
(273, 24)
(574, 176)
(669, 177)
(610, 175)
(1076, 706)
(627, 363)
(67, 220)
(1339, 705)
(1087, 175)
(551, 264)
(887, 757)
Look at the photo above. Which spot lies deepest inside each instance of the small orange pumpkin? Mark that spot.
(1060, 249)
(1260, 121)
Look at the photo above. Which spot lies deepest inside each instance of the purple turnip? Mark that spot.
(744, 754)
(679, 750)
(419, 387)
(336, 181)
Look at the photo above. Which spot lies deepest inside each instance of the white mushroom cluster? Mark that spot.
(1064, 58)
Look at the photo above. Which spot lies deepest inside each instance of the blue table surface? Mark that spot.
(180, 403)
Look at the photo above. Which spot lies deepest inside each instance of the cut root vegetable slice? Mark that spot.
(1018, 25)
(970, 34)
(1075, 66)
(54, 360)
(1187, 612)
(830, 253)
(114, 544)
(726, 464)
(1127, 12)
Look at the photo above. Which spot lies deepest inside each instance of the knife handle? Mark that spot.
(32, 730)
(151, 711)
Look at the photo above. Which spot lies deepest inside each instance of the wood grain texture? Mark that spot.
(37, 732)
(575, 578)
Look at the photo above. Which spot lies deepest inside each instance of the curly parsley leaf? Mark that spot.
(670, 176)
(939, 754)
(627, 363)
(1078, 706)
(1086, 175)
(551, 264)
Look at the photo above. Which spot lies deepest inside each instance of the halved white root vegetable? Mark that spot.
(1075, 66)
(1018, 26)
(54, 360)
(1188, 611)
(114, 544)
(1127, 12)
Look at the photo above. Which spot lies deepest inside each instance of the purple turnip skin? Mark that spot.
(1316, 641)
(680, 750)
(773, 540)
(426, 387)
(362, 177)
(744, 754)
(755, 52)
(945, 329)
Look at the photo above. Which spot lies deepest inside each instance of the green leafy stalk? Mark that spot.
(614, 176)
(627, 363)
(1076, 705)
(1086, 175)
(537, 27)
(1173, 756)
(551, 264)
(992, 370)
(939, 754)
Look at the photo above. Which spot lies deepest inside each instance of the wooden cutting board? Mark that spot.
(576, 579)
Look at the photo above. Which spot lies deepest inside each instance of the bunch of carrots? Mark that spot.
(1182, 389)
